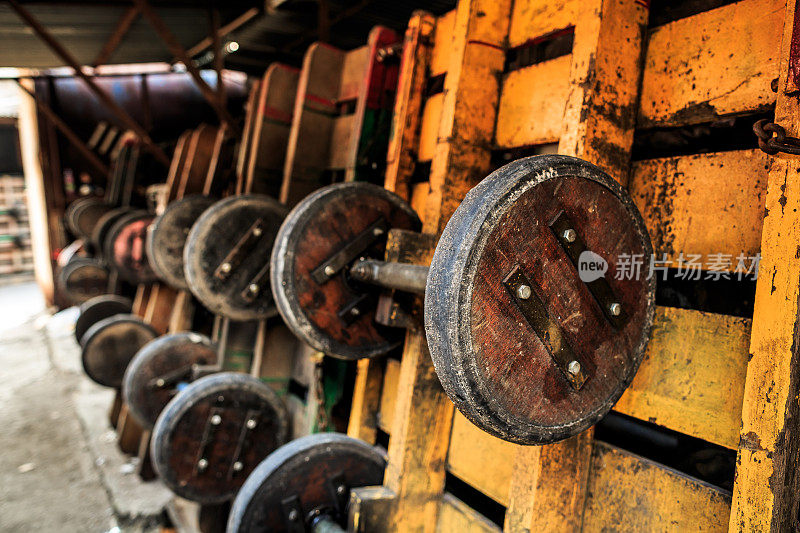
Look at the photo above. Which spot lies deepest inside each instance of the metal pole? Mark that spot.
(400, 276)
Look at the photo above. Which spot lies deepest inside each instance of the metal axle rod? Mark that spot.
(400, 276)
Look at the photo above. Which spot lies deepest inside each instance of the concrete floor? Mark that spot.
(60, 469)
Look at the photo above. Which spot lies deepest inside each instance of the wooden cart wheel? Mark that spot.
(103, 225)
(83, 278)
(226, 257)
(347, 221)
(167, 238)
(96, 309)
(124, 247)
(306, 480)
(214, 433)
(532, 340)
(109, 345)
(83, 214)
(159, 369)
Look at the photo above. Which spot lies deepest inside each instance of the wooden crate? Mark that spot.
(729, 381)
(16, 256)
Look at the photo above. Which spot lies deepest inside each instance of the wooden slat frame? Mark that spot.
(703, 204)
(765, 495)
(713, 64)
(550, 486)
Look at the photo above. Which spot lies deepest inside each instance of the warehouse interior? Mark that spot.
(372, 266)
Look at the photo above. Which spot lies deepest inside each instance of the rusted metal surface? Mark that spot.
(166, 238)
(242, 292)
(125, 249)
(108, 346)
(156, 373)
(96, 309)
(304, 483)
(82, 279)
(321, 237)
(213, 434)
(499, 371)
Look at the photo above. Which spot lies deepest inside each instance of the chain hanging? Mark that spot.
(772, 138)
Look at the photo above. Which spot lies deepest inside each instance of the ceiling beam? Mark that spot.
(103, 96)
(347, 13)
(177, 50)
(70, 135)
(224, 30)
(123, 26)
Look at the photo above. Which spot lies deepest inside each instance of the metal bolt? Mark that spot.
(355, 311)
(293, 515)
(570, 235)
(225, 267)
(256, 232)
(159, 382)
(253, 288)
(615, 309)
(340, 489)
(524, 292)
(329, 271)
(237, 466)
(202, 464)
(574, 367)
(216, 420)
(377, 232)
(251, 423)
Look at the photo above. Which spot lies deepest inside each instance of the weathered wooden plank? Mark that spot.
(442, 40)
(548, 489)
(423, 413)
(270, 129)
(532, 19)
(629, 493)
(353, 68)
(341, 141)
(483, 461)
(307, 152)
(532, 104)
(692, 377)
(457, 517)
(364, 411)
(712, 64)
(429, 127)
(391, 374)
(765, 495)
(703, 204)
(404, 137)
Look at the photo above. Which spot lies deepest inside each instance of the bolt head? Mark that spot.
(253, 288)
(293, 515)
(225, 267)
(202, 464)
(257, 232)
(237, 466)
(251, 423)
(340, 489)
(216, 420)
(615, 309)
(570, 235)
(160, 382)
(377, 232)
(355, 311)
(574, 367)
(524, 292)
(329, 271)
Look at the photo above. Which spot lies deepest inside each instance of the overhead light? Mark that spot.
(231, 46)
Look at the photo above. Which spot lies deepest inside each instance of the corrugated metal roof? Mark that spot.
(281, 33)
